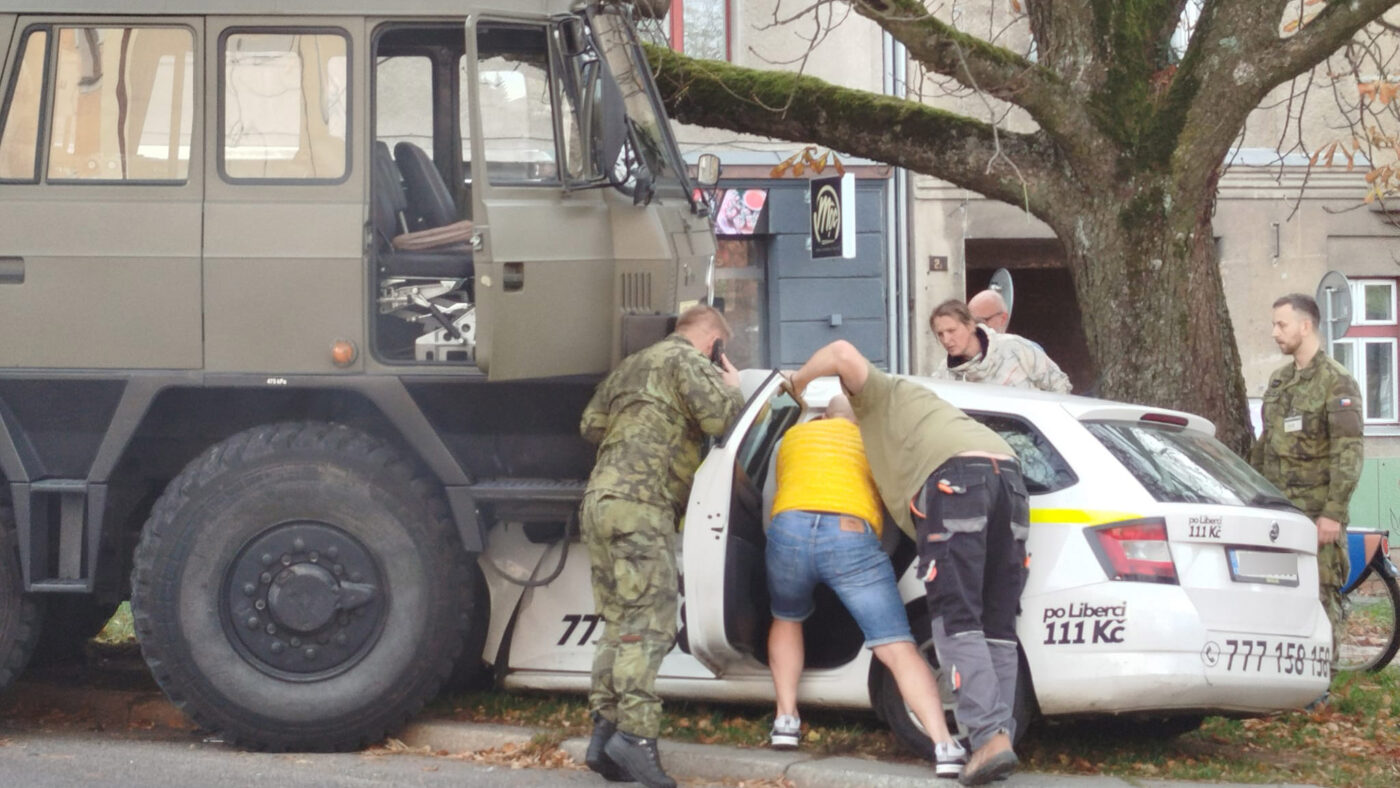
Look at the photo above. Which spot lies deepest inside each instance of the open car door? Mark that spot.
(727, 612)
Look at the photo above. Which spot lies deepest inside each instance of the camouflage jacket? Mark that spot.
(1311, 444)
(1007, 360)
(649, 418)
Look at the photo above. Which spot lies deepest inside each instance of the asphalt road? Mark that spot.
(33, 757)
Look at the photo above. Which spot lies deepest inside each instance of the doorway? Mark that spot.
(1045, 308)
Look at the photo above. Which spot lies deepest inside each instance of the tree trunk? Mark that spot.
(1155, 316)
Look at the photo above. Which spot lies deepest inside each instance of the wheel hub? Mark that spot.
(304, 600)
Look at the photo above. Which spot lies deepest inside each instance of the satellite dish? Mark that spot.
(1334, 301)
(1001, 282)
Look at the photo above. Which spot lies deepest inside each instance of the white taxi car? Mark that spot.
(1167, 579)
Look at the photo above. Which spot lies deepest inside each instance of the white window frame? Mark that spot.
(1358, 301)
(1358, 371)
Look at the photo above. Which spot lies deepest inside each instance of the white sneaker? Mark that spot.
(949, 758)
(787, 732)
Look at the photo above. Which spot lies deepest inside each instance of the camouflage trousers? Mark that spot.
(1332, 570)
(632, 550)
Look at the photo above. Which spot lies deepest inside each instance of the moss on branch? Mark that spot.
(788, 106)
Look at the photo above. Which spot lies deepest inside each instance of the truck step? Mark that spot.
(521, 490)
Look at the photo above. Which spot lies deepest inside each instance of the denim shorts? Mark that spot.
(806, 548)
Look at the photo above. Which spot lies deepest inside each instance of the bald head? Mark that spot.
(988, 308)
(840, 408)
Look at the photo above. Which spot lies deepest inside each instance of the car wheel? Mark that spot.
(890, 707)
(300, 587)
(19, 612)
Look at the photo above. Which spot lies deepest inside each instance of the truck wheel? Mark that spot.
(471, 673)
(890, 707)
(298, 587)
(19, 613)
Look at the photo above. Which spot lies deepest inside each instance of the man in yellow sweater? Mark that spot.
(825, 528)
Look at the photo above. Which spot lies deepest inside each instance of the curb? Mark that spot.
(109, 708)
(712, 762)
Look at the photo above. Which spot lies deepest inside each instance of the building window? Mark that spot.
(741, 283)
(698, 28)
(1372, 362)
(1373, 302)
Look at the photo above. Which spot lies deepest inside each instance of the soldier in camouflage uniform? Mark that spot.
(648, 418)
(979, 354)
(1311, 444)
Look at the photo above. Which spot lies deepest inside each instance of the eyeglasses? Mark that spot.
(987, 318)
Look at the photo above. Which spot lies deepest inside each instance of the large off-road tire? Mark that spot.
(19, 612)
(472, 673)
(890, 707)
(300, 587)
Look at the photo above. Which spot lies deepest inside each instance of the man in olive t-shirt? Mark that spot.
(954, 486)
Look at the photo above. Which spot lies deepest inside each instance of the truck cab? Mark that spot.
(280, 283)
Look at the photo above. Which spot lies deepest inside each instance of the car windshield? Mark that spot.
(1184, 466)
(632, 74)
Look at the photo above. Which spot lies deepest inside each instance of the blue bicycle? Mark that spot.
(1371, 598)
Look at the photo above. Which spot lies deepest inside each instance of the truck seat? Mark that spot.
(429, 202)
(433, 252)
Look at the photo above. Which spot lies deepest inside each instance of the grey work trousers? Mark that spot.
(972, 558)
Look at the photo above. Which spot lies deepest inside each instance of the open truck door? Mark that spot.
(727, 612)
(543, 252)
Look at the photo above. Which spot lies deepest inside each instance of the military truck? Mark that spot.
(298, 300)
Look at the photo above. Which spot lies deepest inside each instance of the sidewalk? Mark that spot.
(708, 762)
(123, 708)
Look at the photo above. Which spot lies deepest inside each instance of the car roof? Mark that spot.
(1008, 399)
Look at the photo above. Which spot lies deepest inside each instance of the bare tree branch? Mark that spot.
(995, 71)
(962, 151)
(1318, 39)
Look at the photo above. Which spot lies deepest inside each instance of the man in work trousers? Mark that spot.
(1311, 444)
(954, 486)
(648, 418)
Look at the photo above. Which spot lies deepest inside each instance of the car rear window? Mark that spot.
(1043, 468)
(1178, 465)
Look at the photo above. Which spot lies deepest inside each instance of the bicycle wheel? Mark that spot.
(1372, 633)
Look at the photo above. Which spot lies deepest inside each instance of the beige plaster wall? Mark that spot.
(849, 54)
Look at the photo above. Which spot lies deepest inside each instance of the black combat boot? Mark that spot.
(638, 759)
(597, 759)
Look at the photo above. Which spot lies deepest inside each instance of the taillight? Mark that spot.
(1134, 550)
(1165, 418)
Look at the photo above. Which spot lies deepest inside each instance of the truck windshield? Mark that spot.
(648, 127)
(1185, 466)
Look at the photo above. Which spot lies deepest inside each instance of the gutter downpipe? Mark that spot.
(896, 68)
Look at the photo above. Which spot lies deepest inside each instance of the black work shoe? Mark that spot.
(638, 759)
(597, 759)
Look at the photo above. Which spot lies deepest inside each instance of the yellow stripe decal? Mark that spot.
(1079, 516)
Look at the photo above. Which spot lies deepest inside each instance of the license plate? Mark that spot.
(1271, 567)
(1245, 654)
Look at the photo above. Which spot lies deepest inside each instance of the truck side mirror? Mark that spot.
(707, 171)
(573, 37)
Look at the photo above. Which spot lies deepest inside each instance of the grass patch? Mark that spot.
(119, 631)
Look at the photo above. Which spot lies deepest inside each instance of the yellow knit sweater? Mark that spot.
(822, 468)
